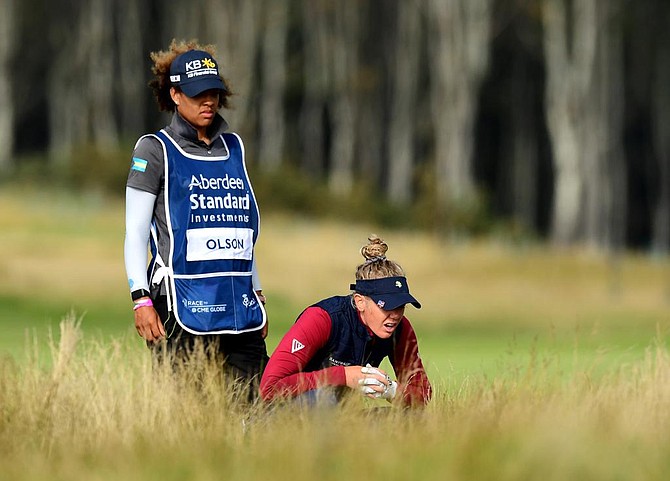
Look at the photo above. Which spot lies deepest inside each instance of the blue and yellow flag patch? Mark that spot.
(139, 164)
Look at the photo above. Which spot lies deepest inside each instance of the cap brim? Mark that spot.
(394, 301)
(196, 87)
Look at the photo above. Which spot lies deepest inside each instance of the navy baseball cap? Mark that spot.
(194, 72)
(388, 292)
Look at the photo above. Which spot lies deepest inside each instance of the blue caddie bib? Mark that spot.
(213, 223)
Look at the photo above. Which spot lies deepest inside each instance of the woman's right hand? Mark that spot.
(371, 381)
(148, 324)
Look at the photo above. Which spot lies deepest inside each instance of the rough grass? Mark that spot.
(101, 412)
(547, 364)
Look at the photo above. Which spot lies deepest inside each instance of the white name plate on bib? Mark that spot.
(219, 243)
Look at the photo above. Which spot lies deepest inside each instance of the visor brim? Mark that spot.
(394, 301)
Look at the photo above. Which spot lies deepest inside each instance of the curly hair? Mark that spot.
(376, 265)
(160, 84)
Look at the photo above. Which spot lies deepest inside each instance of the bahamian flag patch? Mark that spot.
(139, 164)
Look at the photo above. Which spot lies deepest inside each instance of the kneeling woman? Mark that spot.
(337, 344)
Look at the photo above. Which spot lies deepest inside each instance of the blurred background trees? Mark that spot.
(550, 118)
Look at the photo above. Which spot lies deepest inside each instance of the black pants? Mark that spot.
(241, 356)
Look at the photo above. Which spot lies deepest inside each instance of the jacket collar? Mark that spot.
(184, 129)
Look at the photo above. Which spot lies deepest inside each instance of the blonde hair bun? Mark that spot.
(376, 265)
(375, 248)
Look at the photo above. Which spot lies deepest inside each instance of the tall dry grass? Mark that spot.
(102, 412)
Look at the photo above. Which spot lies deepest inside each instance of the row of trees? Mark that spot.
(558, 111)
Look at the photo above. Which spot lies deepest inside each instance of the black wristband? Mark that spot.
(135, 295)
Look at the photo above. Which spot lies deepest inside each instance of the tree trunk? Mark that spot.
(405, 74)
(132, 57)
(68, 89)
(273, 70)
(569, 45)
(82, 84)
(100, 83)
(371, 142)
(660, 114)
(584, 90)
(459, 53)
(316, 77)
(343, 105)
(7, 21)
(606, 206)
(521, 143)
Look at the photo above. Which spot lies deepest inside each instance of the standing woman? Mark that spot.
(189, 198)
(336, 345)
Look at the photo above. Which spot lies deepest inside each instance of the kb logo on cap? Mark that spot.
(398, 284)
(198, 64)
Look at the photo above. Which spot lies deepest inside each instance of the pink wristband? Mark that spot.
(143, 303)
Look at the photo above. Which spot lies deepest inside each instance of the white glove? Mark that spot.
(365, 383)
(389, 388)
